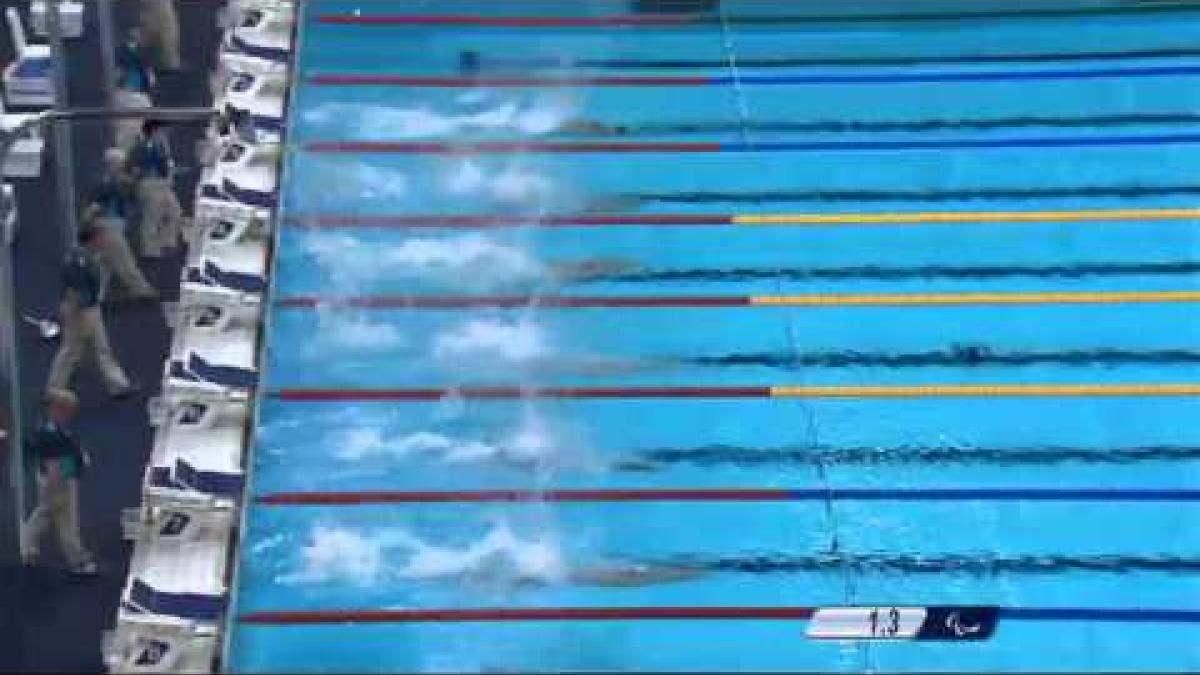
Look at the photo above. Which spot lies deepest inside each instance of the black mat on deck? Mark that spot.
(48, 623)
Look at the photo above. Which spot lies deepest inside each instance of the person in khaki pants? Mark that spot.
(151, 165)
(82, 322)
(109, 206)
(159, 24)
(58, 462)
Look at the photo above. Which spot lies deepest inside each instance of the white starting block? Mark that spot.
(225, 281)
(29, 80)
(175, 598)
(25, 155)
(148, 646)
(70, 18)
(208, 362)
(233, 125)
(261, 94)
(261, 32)
(204, 301)
(221, 234)
(198, 457)
(242, 184)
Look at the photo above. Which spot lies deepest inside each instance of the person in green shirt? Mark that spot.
(58, 462)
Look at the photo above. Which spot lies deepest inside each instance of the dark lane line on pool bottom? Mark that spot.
(975, 565)
(959, 356)
(587, 127)
(474, 61)
(654, 459)
(885, 273)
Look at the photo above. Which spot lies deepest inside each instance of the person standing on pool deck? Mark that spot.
(151, 165)
(58, 463)
(110, 204)
(134, 81)
(159, 23)
(82, 322)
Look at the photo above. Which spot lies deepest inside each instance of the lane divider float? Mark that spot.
(475, 221)
(680, 301)
(662, 81)
(317, 395)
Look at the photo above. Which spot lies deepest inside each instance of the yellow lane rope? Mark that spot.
(1033, 298)
(981, 390)
(965, 217)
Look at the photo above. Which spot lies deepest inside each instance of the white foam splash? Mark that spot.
(471, 260)
(350, 556)
(544, 114)
(518, 186)
(466, 178)
(339, 555)
(376, 183)
(521, 340)
(341, 329)
(514, 184)
(530, 444)
(365, 443)
(501, 554)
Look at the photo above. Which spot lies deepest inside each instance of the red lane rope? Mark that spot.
(461, 301)
(298, 617)
(490, 496)
(331, 221)
(517, 21)
(384, 79)
(366, 147)
(322, 395)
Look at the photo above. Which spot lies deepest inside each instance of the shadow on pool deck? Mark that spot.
(47, 622)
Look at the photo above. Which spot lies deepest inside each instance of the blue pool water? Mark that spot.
(880, 109)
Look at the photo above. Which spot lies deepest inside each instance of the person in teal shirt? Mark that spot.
(58, 462)
(134, 80)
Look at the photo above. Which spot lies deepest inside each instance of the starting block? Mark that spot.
(28, 81)
(25, 155)
(70, 18)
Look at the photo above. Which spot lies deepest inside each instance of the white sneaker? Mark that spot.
(84, 569)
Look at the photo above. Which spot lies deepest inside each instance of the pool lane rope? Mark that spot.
(473, 221)
(713, 495)
(935, 622)
(714, 301)
(742, 79)
(693, 19)
(812, 391)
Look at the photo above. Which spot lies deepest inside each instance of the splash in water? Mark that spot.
(543, 114)
(500, 557)
(340, 329)
(471, 260)
(485, 340)
(532, 444)
(351, 556)
(514, 184)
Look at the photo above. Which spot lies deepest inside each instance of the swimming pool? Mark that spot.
(606, 337)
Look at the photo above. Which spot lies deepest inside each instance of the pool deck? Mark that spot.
(48, 623)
